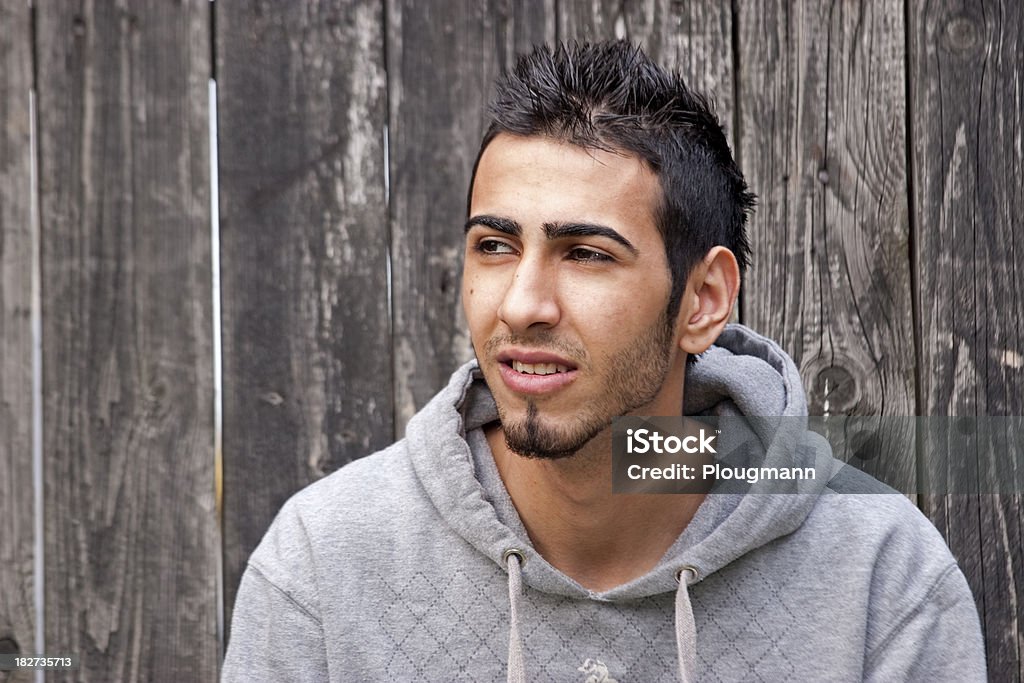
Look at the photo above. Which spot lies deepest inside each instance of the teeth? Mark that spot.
(538, 368)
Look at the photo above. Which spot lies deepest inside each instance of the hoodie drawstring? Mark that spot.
(516, 672)
(686, 629)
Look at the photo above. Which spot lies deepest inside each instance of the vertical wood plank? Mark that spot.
(441, 66)
(693, 38)
(822, 139)
(17, 610)
(304, 235)
(967, 95)
(131, 537)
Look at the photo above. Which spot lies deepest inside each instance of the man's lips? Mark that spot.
(528, 357)
(535, 372)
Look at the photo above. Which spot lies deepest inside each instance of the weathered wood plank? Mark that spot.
(822, 140)
(17, 610)
(441, 64)
(131, 539)
(304, 234)
(693, 38)
(967, 94)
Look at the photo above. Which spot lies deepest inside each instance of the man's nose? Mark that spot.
(531, 299)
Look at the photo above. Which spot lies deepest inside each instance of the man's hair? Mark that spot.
(613, 97)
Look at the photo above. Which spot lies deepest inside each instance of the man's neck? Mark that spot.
(600, 539)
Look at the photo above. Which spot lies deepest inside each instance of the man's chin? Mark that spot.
(530, 438)
(533, 452)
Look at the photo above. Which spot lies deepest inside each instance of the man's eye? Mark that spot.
(494, 247)
(588, 255)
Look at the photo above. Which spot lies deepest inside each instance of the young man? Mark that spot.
(604, 247)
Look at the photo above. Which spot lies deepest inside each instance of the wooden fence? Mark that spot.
(884, 138)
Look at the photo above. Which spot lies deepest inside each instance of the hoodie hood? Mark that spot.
(743, 374)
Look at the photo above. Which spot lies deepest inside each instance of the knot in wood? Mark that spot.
(962, 34)
(272, 397)
(866, 445)
(835, 390)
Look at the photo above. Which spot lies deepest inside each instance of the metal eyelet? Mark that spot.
(513, 551)
(687, 568)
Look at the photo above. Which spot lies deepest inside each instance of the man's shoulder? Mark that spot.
(359, 501)
(375, 490)
(372, 478)
(884, 543)
(881, 530)
(855, 505)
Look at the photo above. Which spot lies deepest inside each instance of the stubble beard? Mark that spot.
(636, 375)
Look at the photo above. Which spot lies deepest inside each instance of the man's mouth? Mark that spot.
(538, 368)
(535, 372)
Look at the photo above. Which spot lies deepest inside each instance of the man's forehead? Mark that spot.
(530, 148)
(570, 180)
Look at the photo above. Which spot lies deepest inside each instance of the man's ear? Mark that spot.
(711, 291)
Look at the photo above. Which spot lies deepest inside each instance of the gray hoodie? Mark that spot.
(398, 568)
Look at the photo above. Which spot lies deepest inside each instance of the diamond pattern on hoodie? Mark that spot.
(743, 634)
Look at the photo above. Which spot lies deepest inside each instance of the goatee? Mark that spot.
(530, 440)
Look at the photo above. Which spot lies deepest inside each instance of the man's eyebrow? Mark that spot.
(505, 225)
(557, 230)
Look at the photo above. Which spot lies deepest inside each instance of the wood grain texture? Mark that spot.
(304, 261)
(967, 96)
(441, 65)
(17, 609)
(693, 38)
(822, 139)
(130, 526)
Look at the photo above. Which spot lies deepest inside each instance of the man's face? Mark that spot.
(565, 289)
